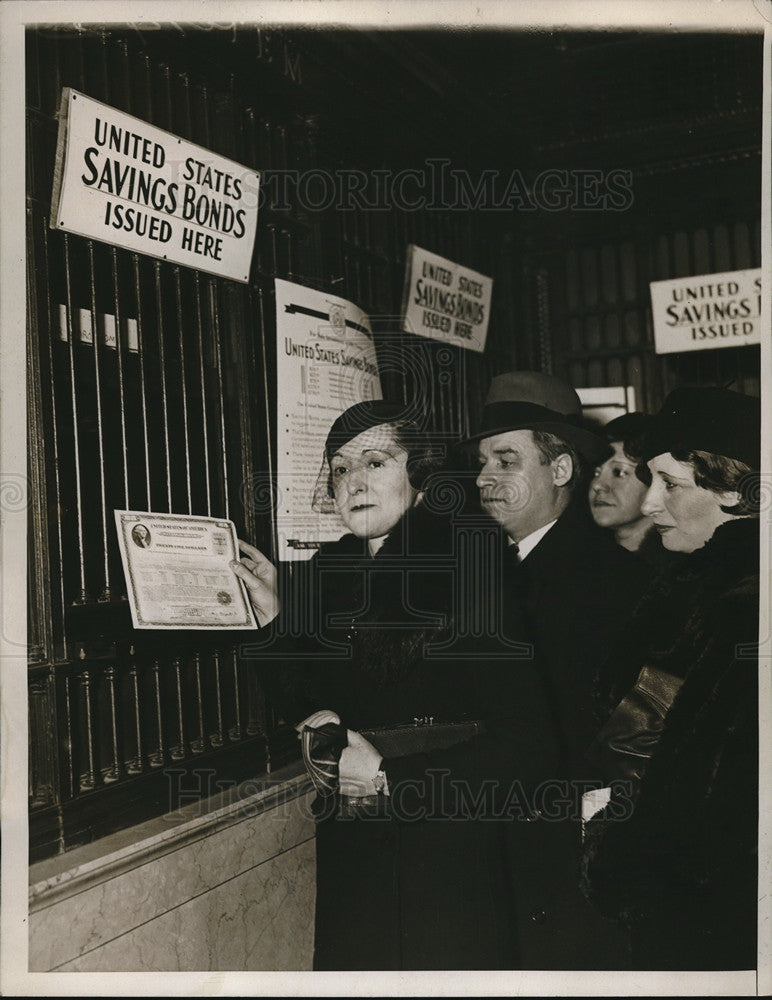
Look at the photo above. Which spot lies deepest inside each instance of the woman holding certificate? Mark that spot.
(416, 732)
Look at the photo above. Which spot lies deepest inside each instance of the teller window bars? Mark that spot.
(150, 388)
(145, 389)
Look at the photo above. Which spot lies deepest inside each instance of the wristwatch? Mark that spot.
(380, 782)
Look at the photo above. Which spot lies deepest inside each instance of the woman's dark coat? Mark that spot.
(681, 870)
(416, 636)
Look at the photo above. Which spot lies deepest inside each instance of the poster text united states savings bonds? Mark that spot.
(124, 182)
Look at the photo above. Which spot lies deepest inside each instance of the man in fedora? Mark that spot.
(578, 588)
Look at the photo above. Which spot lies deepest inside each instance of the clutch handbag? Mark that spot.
(323, 745)
(420, 737)
(401, 741)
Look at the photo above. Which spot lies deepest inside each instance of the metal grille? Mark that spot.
(145, 380)
(152, 388)
(608, 313)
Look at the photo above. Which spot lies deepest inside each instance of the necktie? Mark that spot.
(514, 578)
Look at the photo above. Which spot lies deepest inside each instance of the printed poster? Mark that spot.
(325, 363)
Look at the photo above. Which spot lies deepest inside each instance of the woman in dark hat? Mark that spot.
(673, 855)
(616, 493)
(411, 872)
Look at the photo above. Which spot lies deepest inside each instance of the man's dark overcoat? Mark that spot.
(578, 589)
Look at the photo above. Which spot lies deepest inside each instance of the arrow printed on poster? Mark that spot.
(317, 314)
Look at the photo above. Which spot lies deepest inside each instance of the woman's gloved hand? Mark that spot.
(359, 763)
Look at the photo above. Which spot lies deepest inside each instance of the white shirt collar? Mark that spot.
(529, 543)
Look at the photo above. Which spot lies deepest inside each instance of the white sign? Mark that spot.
(445, 301)
(706, 311)
(178, 574)
(325, 362)
(127, 183)
(604, 403)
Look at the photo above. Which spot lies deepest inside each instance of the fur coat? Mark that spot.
(677, 862)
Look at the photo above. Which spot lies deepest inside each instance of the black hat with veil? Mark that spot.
(404, 430)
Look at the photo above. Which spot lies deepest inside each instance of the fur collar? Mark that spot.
(422, 530)
(686, 600)
(388, 606)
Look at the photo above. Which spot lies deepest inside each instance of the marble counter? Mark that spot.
(224, 885)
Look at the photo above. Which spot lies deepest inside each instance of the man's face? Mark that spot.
(516, 489)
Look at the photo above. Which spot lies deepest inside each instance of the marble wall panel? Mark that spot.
(218, 888)
(263, 920)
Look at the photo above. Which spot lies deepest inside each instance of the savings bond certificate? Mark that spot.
(178, 574)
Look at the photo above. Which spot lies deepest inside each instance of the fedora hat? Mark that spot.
(537, 401)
